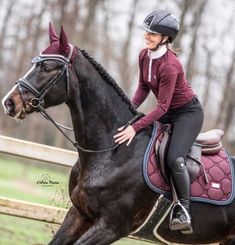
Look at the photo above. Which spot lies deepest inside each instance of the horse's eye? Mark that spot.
(46, 69)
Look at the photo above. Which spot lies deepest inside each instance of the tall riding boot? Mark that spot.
(181, 218)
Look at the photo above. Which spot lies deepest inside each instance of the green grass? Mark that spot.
(22, 231)
(19, 179)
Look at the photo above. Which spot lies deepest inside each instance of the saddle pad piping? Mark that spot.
(150, 214)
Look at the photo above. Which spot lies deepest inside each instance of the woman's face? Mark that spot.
(152, 39)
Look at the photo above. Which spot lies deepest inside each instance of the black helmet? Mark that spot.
(163, 22)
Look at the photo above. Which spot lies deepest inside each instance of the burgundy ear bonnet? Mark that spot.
(58, 45)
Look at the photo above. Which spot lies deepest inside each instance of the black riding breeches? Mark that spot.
(187, 122)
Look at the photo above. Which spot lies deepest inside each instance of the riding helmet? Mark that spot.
(163, 22)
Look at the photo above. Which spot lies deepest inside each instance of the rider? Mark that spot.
(162, 73)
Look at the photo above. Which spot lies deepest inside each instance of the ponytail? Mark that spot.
(176, 51)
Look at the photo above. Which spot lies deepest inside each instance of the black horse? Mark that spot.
(109, 195)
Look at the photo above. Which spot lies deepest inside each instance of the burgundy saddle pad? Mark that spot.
(219, 170)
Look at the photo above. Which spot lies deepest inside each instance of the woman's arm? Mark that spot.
(165, 93)
(141, 93)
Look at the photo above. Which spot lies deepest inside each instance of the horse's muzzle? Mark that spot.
(9, 106)
(13, 105)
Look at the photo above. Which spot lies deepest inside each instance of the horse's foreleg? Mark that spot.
(102, 233)
(73, 226)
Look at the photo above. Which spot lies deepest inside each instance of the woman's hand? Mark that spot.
(124, 135)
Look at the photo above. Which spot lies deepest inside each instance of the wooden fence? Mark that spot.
(42, 153)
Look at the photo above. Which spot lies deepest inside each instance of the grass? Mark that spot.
(22, 231)
(20, 179)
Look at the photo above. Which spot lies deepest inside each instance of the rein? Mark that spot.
(38, 102)
(74, 143)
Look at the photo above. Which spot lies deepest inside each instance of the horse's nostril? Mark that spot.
(10, 105)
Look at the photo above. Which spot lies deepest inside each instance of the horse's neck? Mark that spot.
(97, 110)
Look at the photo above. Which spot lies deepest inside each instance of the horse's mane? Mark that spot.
(105, 75)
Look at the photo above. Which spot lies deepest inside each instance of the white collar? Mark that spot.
(158, 53)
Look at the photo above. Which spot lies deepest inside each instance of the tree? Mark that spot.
(226, 108)
(197, 18)
(125, 53)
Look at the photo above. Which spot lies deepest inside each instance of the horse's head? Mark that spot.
(46, 83)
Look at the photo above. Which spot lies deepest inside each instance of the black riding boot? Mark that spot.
(181, 218)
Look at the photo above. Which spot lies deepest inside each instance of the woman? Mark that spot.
(162, 73)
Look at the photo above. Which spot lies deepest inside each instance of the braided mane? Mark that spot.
(104, 74)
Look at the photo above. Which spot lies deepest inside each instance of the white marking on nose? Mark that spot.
(11, 91)
(6, 96)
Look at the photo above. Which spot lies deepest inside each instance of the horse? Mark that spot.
(110, 198)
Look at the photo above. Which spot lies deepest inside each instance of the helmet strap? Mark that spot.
(161, 43)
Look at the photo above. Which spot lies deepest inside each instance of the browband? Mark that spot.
(59, 57)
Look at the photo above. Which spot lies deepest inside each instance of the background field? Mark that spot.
(19, 179)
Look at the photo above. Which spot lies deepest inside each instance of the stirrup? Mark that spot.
(181, 225)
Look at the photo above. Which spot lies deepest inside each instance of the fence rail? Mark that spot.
(42, 153)
(30, 210)
(37, 151)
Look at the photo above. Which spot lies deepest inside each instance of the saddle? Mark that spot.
(207, 143)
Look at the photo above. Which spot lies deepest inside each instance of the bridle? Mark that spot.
(38, 100)
(37, 103)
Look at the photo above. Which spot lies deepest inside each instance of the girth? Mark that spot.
(206, 143)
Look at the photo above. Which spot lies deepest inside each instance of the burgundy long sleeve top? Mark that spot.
(162, 73)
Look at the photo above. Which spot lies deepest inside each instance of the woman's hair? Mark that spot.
(176, 51)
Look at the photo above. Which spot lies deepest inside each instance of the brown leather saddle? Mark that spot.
(207, 143)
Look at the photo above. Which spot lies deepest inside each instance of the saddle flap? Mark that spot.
(161, 148)
(192, 166)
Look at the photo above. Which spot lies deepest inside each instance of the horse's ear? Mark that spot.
(64, 44)
(52, 34)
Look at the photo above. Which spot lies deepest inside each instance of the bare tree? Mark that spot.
(185, 6)
(195, 27)
(90, 25)
(124, 64)
(226, 107)
(37, 33)
(208, 75)
(5, 26)
(107, 41)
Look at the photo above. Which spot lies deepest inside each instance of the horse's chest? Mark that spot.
(79, 197)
